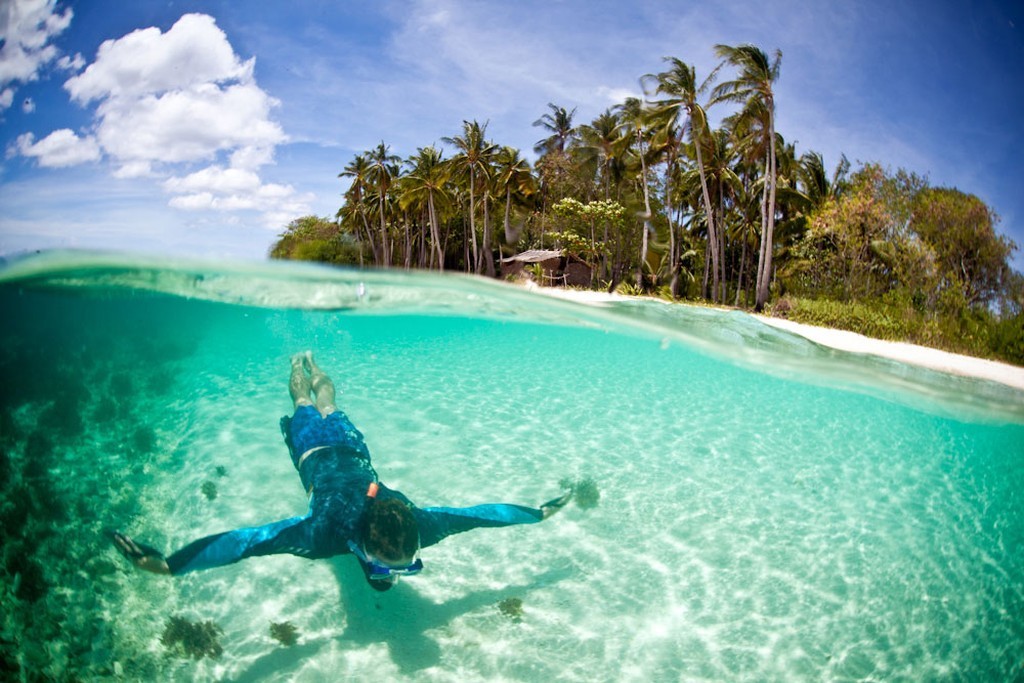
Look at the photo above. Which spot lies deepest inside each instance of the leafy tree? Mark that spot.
(667, 140)
(581, 225)
(858, 244)
(842, 255)
(312, 238)
(960, 228)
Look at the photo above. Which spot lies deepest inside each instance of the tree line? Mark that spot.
(654, 198)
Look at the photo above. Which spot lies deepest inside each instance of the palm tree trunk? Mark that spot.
(764, 236)
(369, 237)
(384, 247)
(434, 232)
(765, 272)
(509, 237)
(485, 247)
(422, 240)
(606, 267)
(644, 243)
(673, 263)
(739, 278)
(444, 240)
(712, 235)
(472, 220)
(707, 270)
(723, 282)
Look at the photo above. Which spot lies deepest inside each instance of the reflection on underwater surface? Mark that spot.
(756, 522)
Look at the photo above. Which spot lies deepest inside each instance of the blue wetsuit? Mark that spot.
(336, 477)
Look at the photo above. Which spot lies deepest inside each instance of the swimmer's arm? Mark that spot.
(286, 536)
(437, 523)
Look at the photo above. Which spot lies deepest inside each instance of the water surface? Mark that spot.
(770, 509)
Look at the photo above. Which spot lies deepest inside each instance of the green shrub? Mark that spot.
(899, 317)
(1007, 339)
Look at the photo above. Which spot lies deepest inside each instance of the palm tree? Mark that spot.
(744, 231)
(355, 197)
(679, 83)
(516, 180)
(473, 159)
(424, 187)
(814, 179)
(383, 169)
(753, 86)
(601, 152)
(723, 185)
(634, 118)
(668, 141)
(601, 147)
(558, 122)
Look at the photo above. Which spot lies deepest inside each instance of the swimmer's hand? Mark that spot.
(142, 556)
(552, 506)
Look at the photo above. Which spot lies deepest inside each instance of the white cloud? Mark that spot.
(179, 96)
(26, 29)
(193, 52)
(60, 148)
(183, 96)
(231, 189)
(193, 202)
(76, 63)
(217, 179)
(189, 125)
(168, 99)
(134, 169)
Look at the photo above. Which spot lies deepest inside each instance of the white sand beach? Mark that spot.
(922, 356)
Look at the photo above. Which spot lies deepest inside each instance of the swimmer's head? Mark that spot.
(390, 540)
(390, 533)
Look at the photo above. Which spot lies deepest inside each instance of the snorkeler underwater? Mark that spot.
(350, 510)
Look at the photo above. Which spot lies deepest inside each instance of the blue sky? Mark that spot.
(202, 127)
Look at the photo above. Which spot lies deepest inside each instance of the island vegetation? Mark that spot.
(655, 198)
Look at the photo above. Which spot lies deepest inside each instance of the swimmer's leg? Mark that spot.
(322, 385)
(299, 385)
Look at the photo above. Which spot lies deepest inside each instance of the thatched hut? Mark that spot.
(549, 260)
(556, 268)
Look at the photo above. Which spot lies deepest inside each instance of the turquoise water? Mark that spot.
(770, 510)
